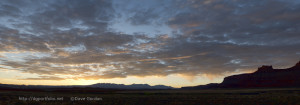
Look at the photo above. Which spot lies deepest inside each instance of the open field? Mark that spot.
(280, 96)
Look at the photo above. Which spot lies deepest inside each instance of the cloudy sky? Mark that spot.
(170, 42)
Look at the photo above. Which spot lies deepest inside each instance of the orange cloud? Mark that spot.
(182, 57)
(174, 58)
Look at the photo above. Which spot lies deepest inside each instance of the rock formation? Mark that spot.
(265, 76)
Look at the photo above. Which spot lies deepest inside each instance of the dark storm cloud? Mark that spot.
(209, 37)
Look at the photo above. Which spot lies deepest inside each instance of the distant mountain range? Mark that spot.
(94, 86)
(265, 76)
(132, 86)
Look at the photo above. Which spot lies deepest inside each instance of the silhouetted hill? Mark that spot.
(207, 86)
(133, 86)
(265, 76)
(94, 86)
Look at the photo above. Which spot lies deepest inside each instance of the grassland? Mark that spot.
(282, 96)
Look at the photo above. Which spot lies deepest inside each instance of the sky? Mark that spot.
(168, 42)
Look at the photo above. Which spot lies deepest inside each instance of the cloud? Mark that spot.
(210, 37)
(9, 10)
(45, 78)
(137, 13)
(249, 22)
(143, 17)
